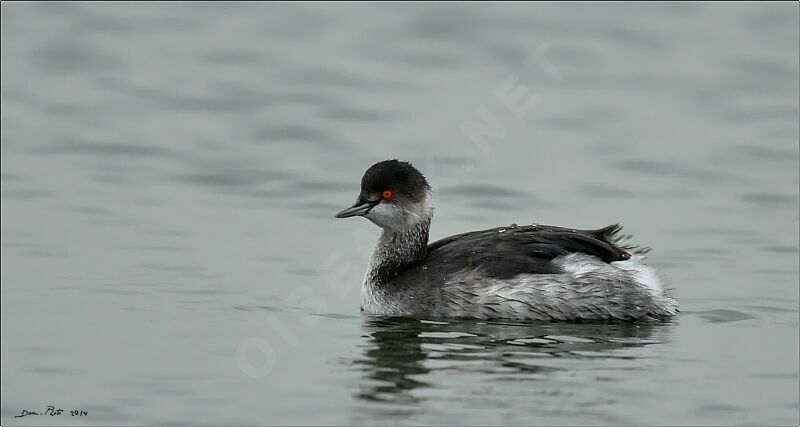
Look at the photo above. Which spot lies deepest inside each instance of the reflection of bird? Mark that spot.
(397, 350)
(525, 272)
(393, 355)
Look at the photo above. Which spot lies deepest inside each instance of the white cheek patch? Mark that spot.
(396, 216)
(421, 211)
(386, 215)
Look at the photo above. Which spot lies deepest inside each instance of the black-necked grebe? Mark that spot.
(534, 272)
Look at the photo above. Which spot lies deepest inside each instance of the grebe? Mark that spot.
(533, 272)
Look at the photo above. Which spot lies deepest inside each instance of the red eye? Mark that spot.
(386, 195)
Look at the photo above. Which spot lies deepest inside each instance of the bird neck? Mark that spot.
(396, 250)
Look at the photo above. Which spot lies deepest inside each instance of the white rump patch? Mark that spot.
(643, 274)
(580, 264)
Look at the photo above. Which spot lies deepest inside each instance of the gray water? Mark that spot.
(170, 174)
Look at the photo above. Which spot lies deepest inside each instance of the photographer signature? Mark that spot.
(52, 411)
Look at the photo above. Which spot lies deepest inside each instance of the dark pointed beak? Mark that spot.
(360, 208)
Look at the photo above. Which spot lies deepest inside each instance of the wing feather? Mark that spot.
(505, 252)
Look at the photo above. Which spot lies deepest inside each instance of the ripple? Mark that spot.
(306, 271)
(334, 78)
(607, 192)
(493, 205)
(299, 133)
(770, 309)
(358, 115)
(570, 123)
(256, 307)
(567, 339)
(168, 267)
(207, 291)
(770, 113)
(154, 248)
(764, 70)
(9, 177)
(722, 315)
(765, 198)
(782, 249)
(232, 178)
(670, 170)
(642, 39)
(337, 316)
(233, 57)
(46, 253)
(445, 335)
(316, 186)
(112, 291)
(534, 341)
(71, 57)
(777, 271)
(49, 370)
(106, 149)
(771, 154)
(230, 99)
(319, 209)
(26, 194)
(483, 191)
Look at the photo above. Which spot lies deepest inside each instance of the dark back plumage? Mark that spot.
(505, 252)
